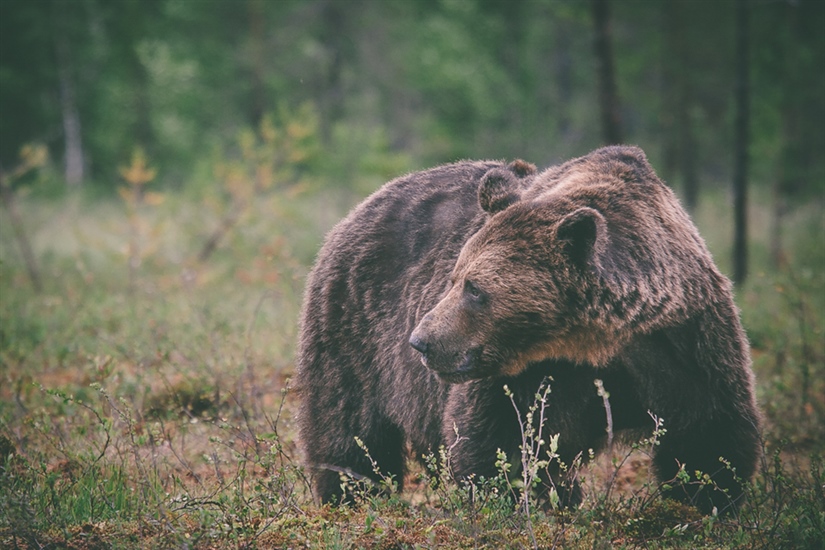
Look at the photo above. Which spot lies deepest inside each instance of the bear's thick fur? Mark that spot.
(447, 284)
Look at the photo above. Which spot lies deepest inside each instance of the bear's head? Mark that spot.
(569, 265)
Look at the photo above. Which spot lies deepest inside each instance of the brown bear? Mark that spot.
(447, 284)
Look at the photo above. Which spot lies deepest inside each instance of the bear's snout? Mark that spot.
(418, 344)
(420, 339)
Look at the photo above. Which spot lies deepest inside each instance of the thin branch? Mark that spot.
(7, 196)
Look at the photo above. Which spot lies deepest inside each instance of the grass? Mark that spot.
(144, 396)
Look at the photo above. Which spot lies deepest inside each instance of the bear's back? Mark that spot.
(381, 267)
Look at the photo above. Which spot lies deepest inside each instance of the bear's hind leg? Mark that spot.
(340, 473)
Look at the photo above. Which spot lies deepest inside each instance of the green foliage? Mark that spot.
(787, 501)
(409, 83)
(75, 487)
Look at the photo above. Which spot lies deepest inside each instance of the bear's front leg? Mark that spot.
(481, 419)
(717, 455)
(697, 379)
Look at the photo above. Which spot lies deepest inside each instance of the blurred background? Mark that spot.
(391, 85)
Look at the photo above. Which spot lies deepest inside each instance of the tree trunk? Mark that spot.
(678, 68)
(687, 153)
(608, 96)
(72, 137)
(780, 208)
(564, 80)
(332, 95)
(740, 170)
(522, 114)
(258, 105)
(793, 114)
(670, 63)
(16, 220)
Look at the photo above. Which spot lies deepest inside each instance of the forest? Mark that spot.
(168, 171)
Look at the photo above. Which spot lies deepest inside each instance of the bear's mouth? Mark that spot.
(468, 367)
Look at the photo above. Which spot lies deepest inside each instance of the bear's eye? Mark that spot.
(472, 290)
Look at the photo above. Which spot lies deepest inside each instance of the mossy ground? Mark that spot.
(144, 395)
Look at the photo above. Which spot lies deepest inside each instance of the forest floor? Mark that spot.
(144, 394)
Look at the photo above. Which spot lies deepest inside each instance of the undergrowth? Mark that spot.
(144, 394)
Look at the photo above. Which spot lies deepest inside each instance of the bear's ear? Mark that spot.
(583, 234)
(500, 186)
(522, 168)
(628, 163)
(498, 190)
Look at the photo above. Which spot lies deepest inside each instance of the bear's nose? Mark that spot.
(419, 345)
